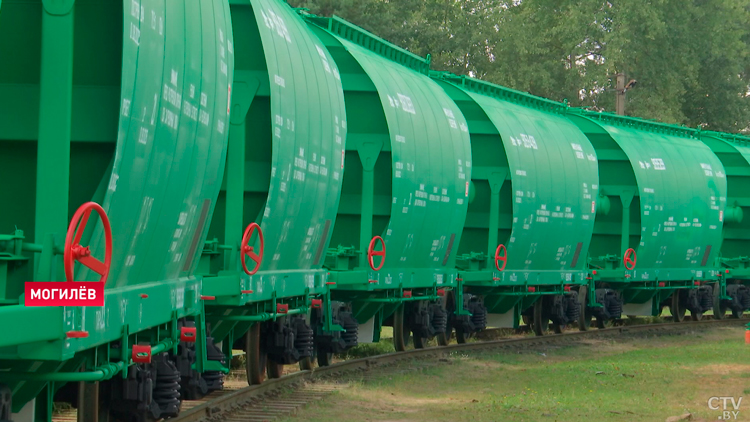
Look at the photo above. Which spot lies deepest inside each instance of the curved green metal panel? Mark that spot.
(734, 153)
(431, 157)
(555, 177)
(171, 145)
(744, 151)
(682, 187)
(308, 120)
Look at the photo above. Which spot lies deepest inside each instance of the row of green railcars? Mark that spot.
(285, 185)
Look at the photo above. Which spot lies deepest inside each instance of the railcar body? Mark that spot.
(406, 185)
(659, 244)
(733, 294)
(120, 103)
(281, 190)
(530, 222)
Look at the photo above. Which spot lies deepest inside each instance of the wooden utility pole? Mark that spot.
(620, 104)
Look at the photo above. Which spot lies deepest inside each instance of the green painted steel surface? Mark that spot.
(431, 164)
(177, 68)
(308, 136)
(554, 175)
(59, 109)
(682, 189)
(285, 162)
(734, 153)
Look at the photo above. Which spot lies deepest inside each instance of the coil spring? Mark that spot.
(439, 319)
(706, 299)
(743, 295)
(478, 315)
(574, 308)
(614, 306)
(214, 379)
(5, 403)
(350, 325)
(166, 391)
(303, 341)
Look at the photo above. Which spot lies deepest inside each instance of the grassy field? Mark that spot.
(624, 379)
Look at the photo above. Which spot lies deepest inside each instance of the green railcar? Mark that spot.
(733, 294)
(277, 207)
(535, 179)
(124, 104)
(406, 188)
(658, 245)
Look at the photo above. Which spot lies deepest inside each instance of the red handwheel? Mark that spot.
(249, 251)
(75, 252)
(629, 259)
(371, 253)
(503, 257)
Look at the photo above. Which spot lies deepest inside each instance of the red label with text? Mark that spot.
(64, 294)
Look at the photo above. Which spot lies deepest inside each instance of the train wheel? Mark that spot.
(444, 339)
(447, 336)
(420, 342)
(584, 317)
(677, 308)
(603, 323)
(737, 314)
(696, 316)
(558, 328)
(400, 334)
(307, 364)
(255, 364)
(526, 320)
(720, 309)
(461, 337)
(541, 322)
(275, 370)
(324, 358)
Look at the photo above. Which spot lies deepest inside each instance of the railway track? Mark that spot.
(287, 395)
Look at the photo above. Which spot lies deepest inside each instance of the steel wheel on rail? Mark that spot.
(274, 370)
(719, 308)
(255, 362)
(696, 316)
(324, 358)
(444, 339)
(420, 342)
(541, 321)
(400, 333)
(603, 323)
(306, 364)
(461, 336)
(677, 308)
(584, 317)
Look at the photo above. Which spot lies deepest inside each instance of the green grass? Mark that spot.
(626, 379)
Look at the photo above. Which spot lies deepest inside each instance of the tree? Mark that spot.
(691, 58)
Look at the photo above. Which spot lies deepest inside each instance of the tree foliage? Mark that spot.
(691, 58)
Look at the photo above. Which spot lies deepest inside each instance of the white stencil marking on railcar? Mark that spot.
(658, 164)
